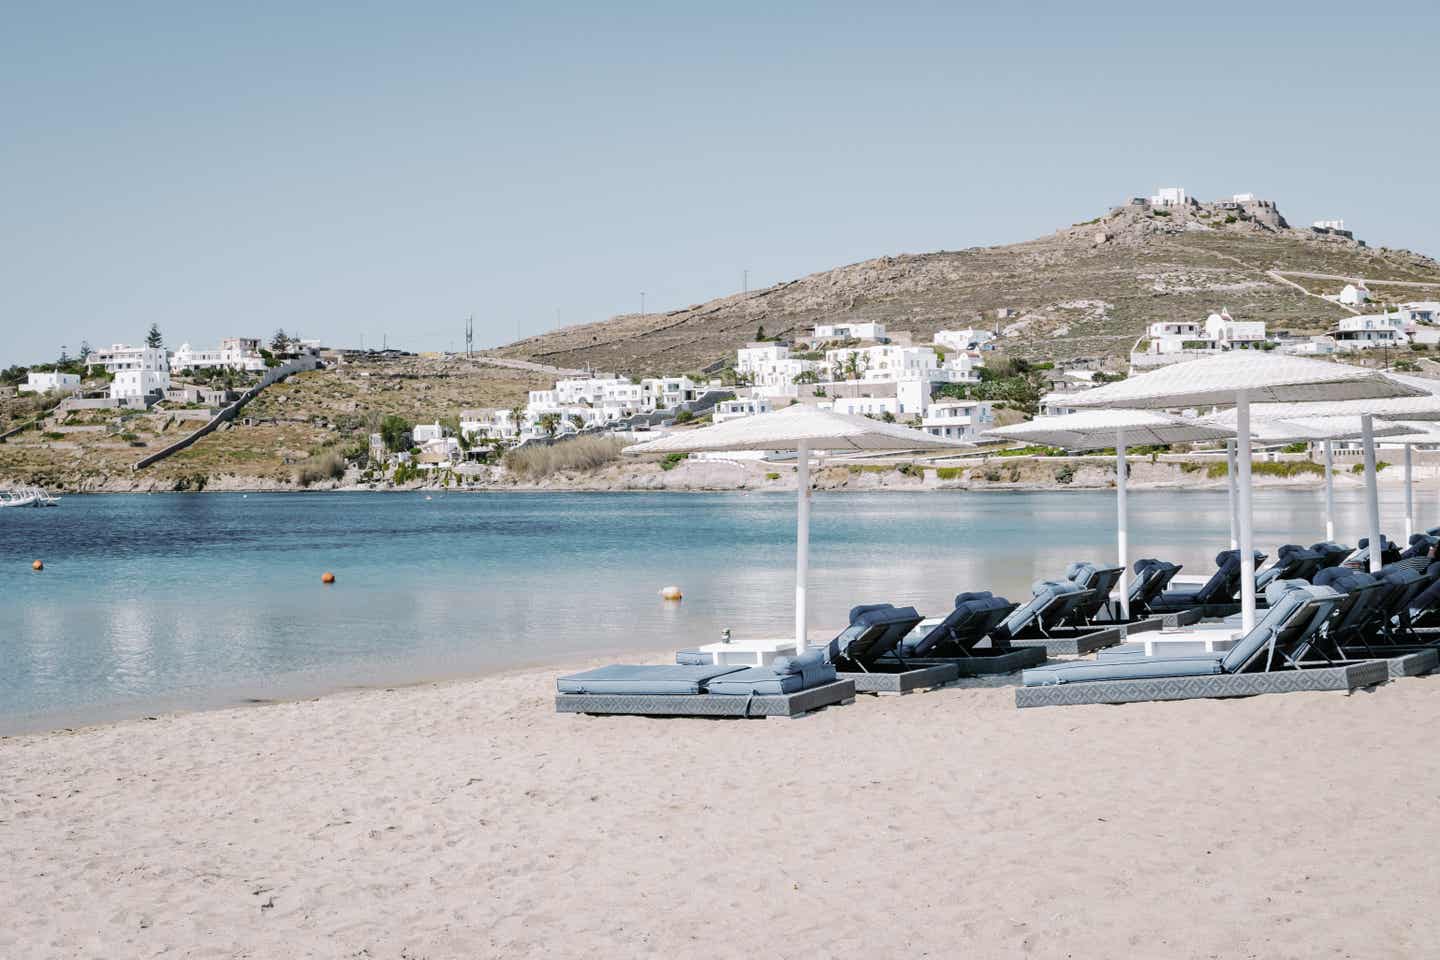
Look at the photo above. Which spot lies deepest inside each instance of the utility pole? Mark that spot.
(642, 304)
(469, 336)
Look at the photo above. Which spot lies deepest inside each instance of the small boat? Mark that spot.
(17, 498)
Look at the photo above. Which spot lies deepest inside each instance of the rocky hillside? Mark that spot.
(1088, 290)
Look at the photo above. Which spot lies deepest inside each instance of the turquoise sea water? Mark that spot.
(173, 601)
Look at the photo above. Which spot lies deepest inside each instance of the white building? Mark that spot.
(423, 433)
(958, 419)
(1419, 312)
(865, 330)
(438, 454)
(771, 370)
(968, 339)
(235, 353)
(1369, 331)
(739, 408)
(1169, 197)
(1243, 198)
(1309, 346)
(890, 363)
(139, 371)
(1172, 341)
(1354, 294)
(488, 424)
(1329, 224)
(46, 382)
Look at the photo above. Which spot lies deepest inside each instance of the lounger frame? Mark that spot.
(1349, 677)
(1001, 662)
(708, 704)
(1068, 641)
(912, 678)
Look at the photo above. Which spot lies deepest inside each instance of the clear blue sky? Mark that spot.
(369, 169)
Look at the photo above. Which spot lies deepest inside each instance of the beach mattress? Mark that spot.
(622, 678)
(762, 681)
(693, 658)
(1136, 668)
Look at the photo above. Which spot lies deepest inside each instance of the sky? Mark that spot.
(368, 173)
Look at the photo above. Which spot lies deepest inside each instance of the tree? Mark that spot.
(280, 342)
(517, 417)
(760, 333)
(578, 421)
(549, 422)
(395, 432)
(153, 339)
(888, 417)
(85, 351)
(806, 376)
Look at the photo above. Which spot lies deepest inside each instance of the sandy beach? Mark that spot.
(467, 819)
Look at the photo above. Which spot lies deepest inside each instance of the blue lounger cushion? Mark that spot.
(765, 681)
(811, 666)
(1133, 668)
(645, 679)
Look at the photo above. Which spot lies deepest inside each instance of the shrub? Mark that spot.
(52, 435)
(1065, 474)
(912, 470)
(1299, 446)
(950, 473)
(684, 416)
(329, 465)
(581, 453)
(672, 460)
(1289, 468)
(405, 473)
(772, 476)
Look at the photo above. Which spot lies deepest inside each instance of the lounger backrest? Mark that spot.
(1225, 583)
(1097, 579)
(1428, 599)
(1408, 581)
(1281, 569)
(1331, 553)
(1297, 609)
(1389, 553)
(968, 623)
(1359, 594)
(1049, 599)
(875, 630)
(1151, 578)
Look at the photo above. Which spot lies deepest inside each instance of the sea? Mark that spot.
(163, 602)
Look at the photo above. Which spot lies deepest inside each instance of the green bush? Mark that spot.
(912, 470)
(772, 476)
(950, 473)
(684, 416)
(1065, 475)
(672, 460)
(581, 453)
(329, 465)
(1299, 446)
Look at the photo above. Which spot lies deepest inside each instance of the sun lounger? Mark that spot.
(864, 652)
(1271, 658)
(1421, 545)
(1100, 581)
(1332, 554)
(963, 639)
(1044, 621)
(789, 687)
(1360, 559)
(1217, 597)
(1292, 562)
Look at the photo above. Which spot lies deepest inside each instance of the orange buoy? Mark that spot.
(38, 565)
(327, 577)
(671, 593)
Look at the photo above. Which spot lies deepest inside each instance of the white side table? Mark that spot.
(754, 652)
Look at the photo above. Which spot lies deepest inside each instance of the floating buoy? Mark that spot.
(670, 593)
(327, 577)
(38, 565)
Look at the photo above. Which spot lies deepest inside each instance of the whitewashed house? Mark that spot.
(235, 353)
(1228, 333)
(739, 408)
(968, 339)
(46, 382)
(1369, 331)
(488, 424)
(1170, 197)
(423, 433)
(1320, 346)
(958, 419)
(139, 371)
(1354, 294)
(1172, 341)
(1329, 224)
(858, 330)
(771, 370)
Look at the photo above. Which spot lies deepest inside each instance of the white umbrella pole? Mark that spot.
(1409, 498)
(1122, 522)
(1247, 539)
(1232, 481)
(802, 542)
(1329, 492)
(1372, 491)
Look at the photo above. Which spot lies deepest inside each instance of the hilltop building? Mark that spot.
(46, 382)
(1353, 295)
(139, 372)
(1170, 341)
(1170, 197)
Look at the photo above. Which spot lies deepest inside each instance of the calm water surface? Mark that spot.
(172, 601)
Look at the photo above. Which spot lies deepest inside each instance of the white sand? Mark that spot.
(468, 820)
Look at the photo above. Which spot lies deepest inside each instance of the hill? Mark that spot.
(1088, 290)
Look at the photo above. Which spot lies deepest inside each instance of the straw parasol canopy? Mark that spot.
(801, 428)
(794, 426)
(1259, 376)
(1237, 378)
(1092, 429)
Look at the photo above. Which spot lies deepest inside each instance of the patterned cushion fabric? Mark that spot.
(642, 679)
